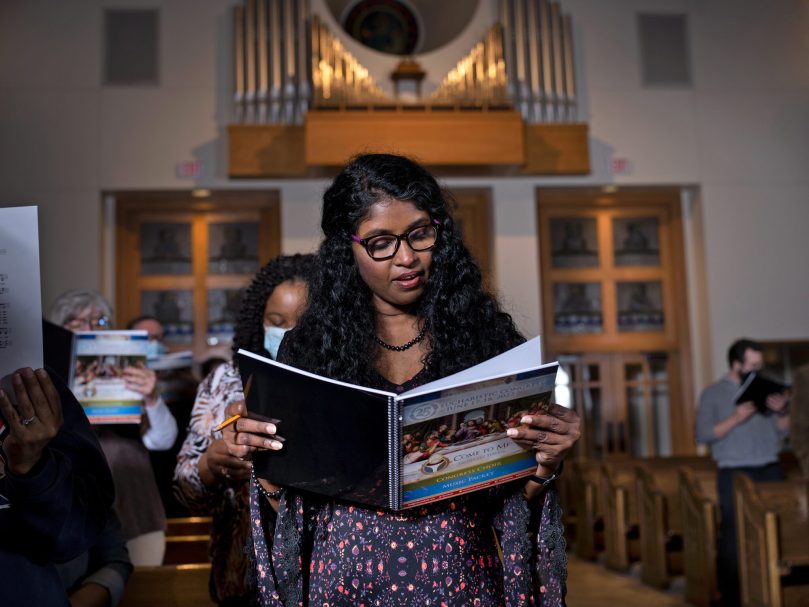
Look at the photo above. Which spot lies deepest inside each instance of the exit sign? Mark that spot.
(189, 169)
(621, 166)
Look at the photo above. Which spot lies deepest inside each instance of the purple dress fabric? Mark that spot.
(327, 553)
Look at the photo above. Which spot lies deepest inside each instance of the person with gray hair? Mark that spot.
(137, 498)
(81, 310)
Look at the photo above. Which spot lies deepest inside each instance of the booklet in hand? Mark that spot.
(756, 388)
(98, 379)
(398, 451)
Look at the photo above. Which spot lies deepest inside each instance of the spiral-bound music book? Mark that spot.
(398, 451)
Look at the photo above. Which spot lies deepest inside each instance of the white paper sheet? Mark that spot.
(20, 292)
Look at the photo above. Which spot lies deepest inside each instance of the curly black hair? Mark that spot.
(335, 336)
(249, 333)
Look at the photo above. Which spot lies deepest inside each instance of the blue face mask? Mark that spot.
(272, 340)
(154, 349)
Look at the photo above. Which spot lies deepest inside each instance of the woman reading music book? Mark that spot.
(439, 440)
(398, 302)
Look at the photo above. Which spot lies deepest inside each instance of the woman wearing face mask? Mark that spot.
(207, 479)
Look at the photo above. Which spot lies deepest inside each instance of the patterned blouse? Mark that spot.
(489, 548)
(228, 504)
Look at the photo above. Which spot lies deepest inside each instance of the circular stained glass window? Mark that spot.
(388, 26)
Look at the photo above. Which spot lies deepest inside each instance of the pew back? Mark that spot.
(660, 515)
(772, 522)
(618, 495)
(168, 586)
(700, 518)
(586, 493)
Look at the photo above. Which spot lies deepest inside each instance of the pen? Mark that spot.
(226, 423)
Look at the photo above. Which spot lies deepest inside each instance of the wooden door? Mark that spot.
(186, 261)
(615, 315)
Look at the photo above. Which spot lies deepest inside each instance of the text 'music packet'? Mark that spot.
(377, 448)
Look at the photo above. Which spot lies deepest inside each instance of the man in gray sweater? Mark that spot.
(742, 440)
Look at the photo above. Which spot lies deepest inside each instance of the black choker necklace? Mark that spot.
(406, 346)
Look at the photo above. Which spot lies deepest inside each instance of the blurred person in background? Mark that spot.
(207, 478)
(137, 498)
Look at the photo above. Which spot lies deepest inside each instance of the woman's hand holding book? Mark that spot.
(247, 434)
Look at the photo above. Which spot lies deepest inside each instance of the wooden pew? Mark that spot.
(187, 540)
(700, 511)
(660, 516)
(168, 586)
(619, 499)
(586, 498)
(772, 522)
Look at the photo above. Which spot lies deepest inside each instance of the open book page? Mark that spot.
(20, 296)
(98, 382)
(372, 447)
(522, 358)
(454, 440)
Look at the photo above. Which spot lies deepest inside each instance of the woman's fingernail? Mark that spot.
(271, 429)
(276, 445)
(527, 420)
(512, 432)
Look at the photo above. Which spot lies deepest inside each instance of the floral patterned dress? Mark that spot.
(490, 548)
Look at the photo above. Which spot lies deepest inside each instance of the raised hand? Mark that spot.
(33, 422)
(142, 380)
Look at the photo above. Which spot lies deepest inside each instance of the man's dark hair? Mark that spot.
(131, 324)
(739, 347)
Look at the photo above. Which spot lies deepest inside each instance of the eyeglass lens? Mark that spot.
(419, 238)
(79, 324)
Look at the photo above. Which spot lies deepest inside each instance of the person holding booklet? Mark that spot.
(743, 440)
(207, 479)
(137, 498)
(398, 302)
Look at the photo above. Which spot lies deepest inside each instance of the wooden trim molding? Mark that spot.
(496, 143)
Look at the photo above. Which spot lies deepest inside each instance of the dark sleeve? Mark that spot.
(109, 565)
(60, 506)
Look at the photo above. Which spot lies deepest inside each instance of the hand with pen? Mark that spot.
(244, 435)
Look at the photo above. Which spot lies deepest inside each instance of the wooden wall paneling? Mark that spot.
(683, 420)
(474, 212)
(556, 149)
(126, 267)
(266, 150)
(270, 235)
(432, 138)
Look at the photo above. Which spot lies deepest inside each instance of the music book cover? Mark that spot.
(98, 382)
(398, 451)
(59, 351)
(756, 388)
